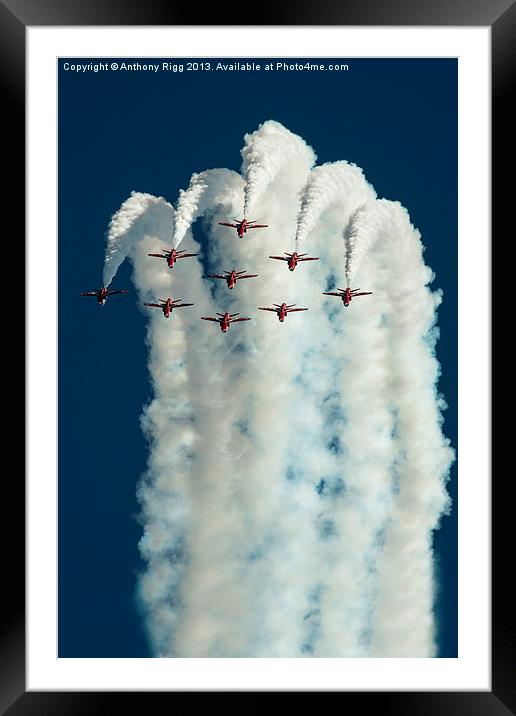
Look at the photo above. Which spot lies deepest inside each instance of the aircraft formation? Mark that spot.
(168, 305)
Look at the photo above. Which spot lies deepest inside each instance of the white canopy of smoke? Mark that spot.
(296, 471)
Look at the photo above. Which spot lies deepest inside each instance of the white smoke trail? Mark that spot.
(403, 621)
(187, 206)
(265, 153)
(338, 183)
(372, 439)
(359, 234)
(206, 192)
(130, 222)
(289, 481)
(356, 493)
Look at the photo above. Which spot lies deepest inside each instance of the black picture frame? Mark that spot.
(15, 16)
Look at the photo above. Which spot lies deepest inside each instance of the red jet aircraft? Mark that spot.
(172, 256)
(243, 225)
(231, 277)
(293, 259)
(282, 310)
(167, 305)
(347, 294)
(102, 293)
(225, 320)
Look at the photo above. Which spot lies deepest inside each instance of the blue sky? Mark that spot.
(118, 132)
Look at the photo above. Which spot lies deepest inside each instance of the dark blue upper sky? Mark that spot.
(123, 131)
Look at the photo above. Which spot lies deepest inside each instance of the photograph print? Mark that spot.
(257, 336)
